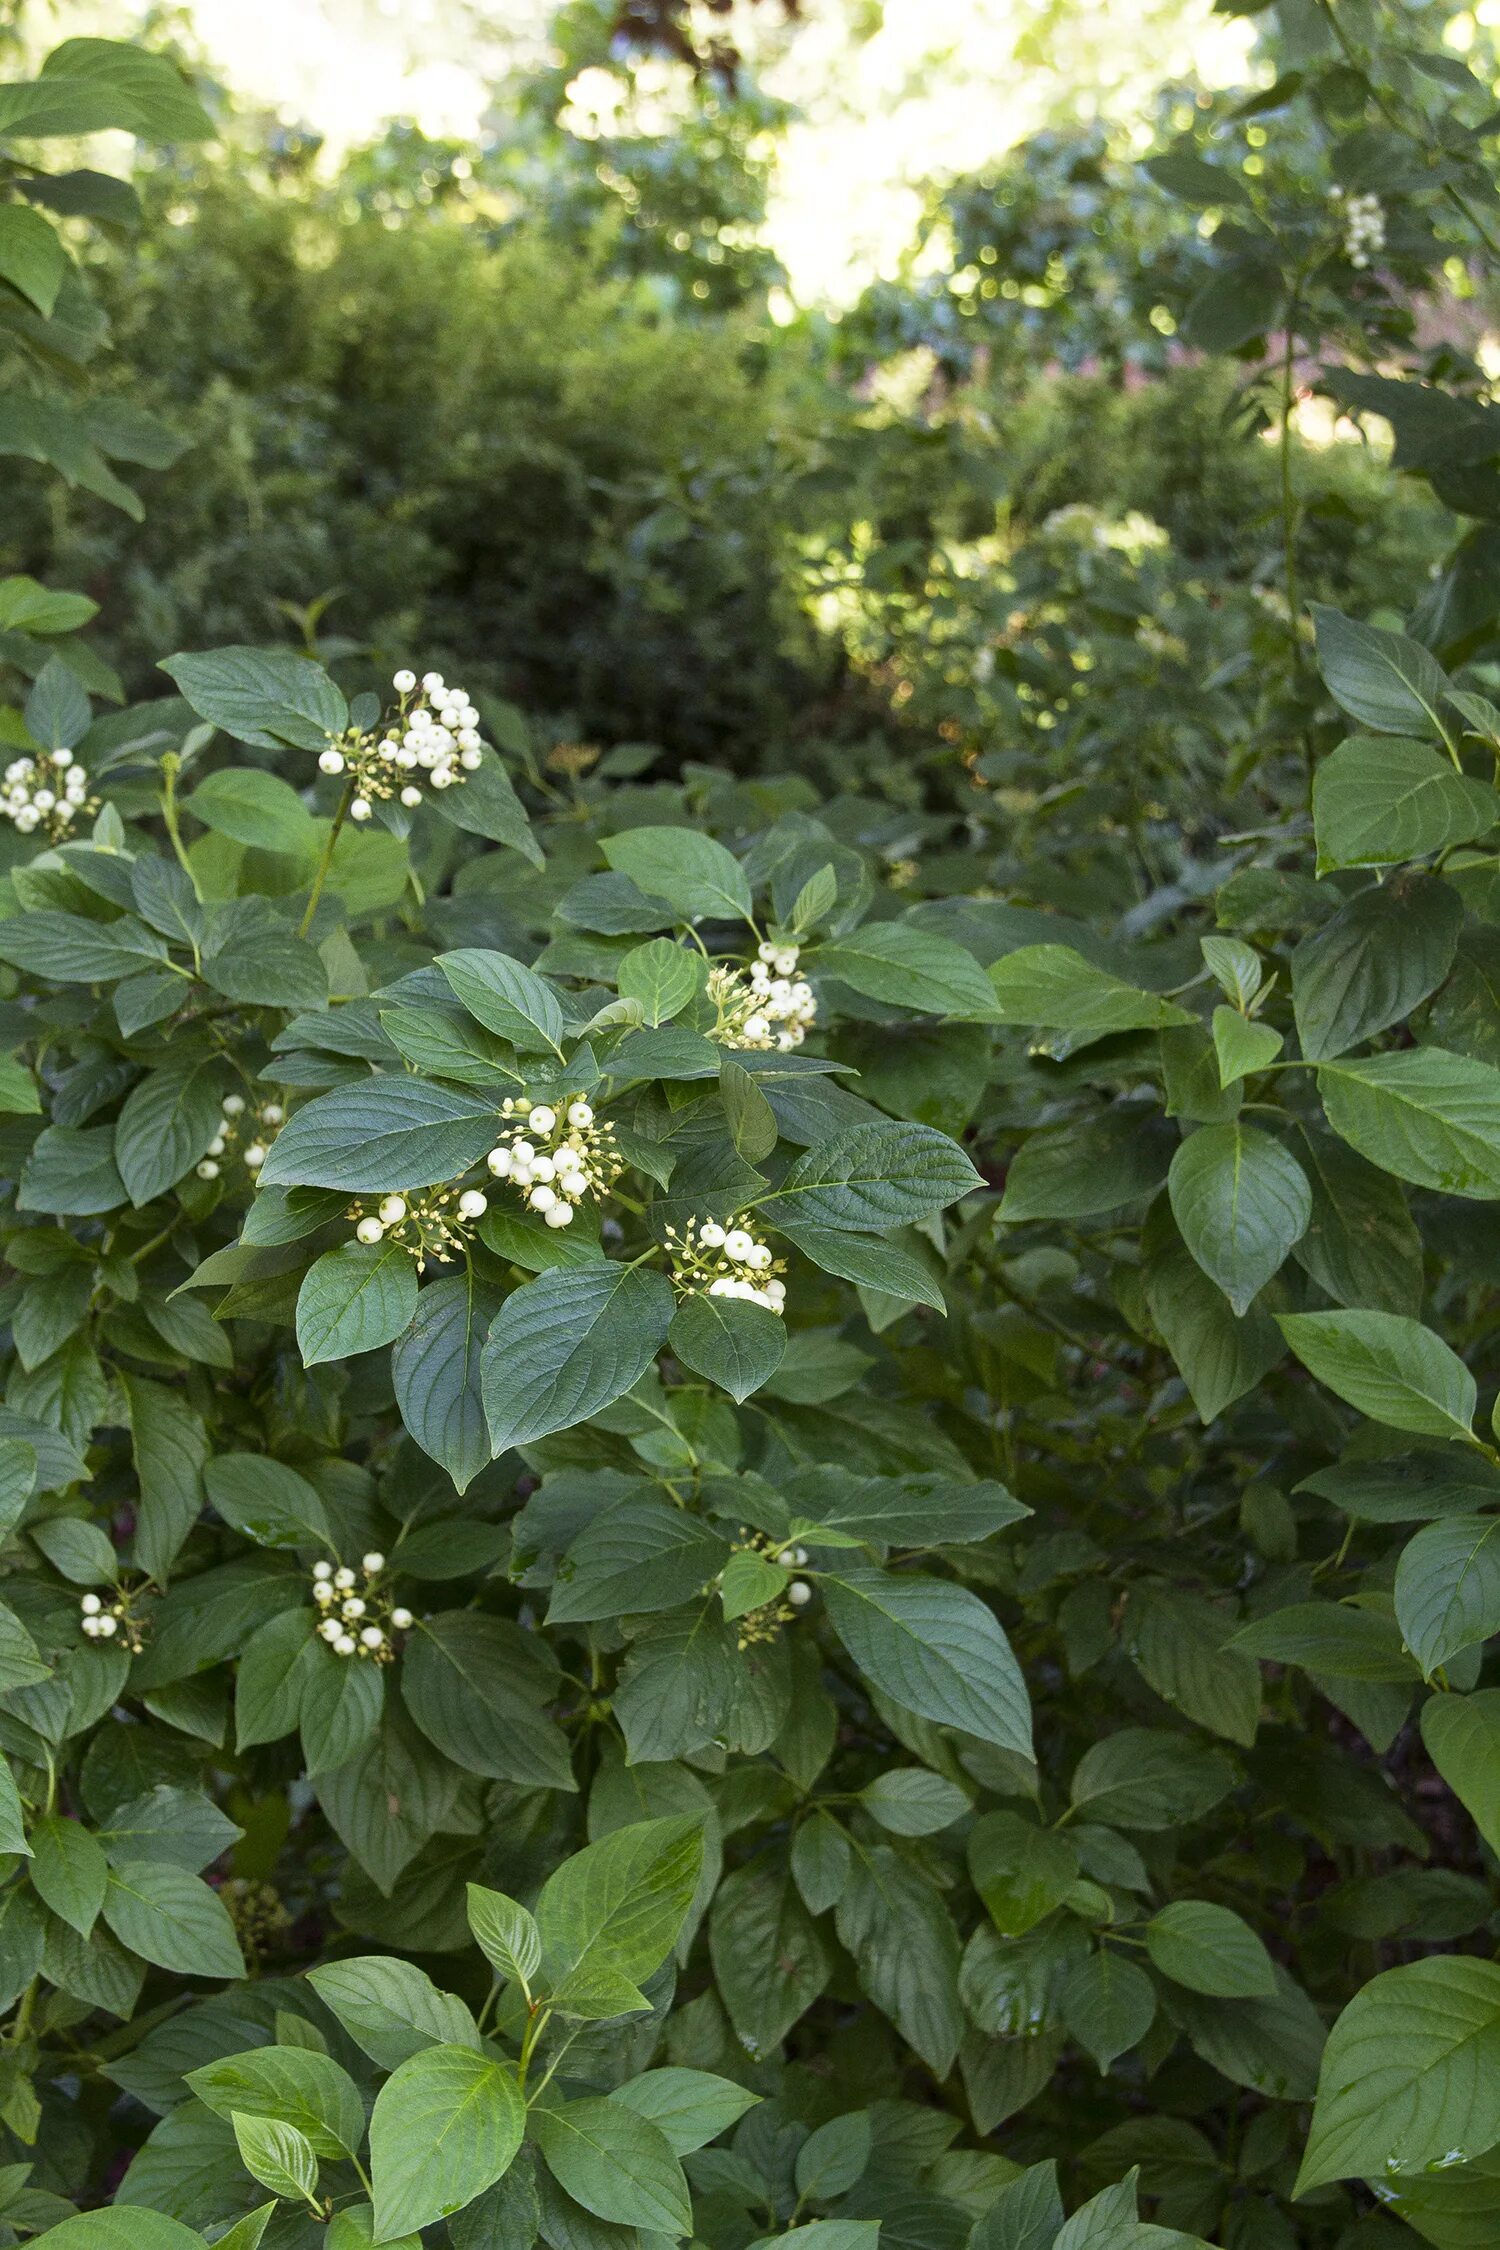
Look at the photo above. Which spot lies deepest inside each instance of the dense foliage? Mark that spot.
(737, 1512)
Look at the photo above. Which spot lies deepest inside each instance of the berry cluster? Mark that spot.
(765, 1623)
(358, 1620)
(713, 1261)
(103, 1623)
(556, 1160)
(1364, 225)
(433, 1224)
(247, 1132)
(765, 1006)
(48, 791)
(432, 737)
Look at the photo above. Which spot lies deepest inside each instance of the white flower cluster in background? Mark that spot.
(49, 791)
(1364, 225)
(247, 1132)
(766, 1006)
(431, 1224)
(709, 1260)
(358, 1618)
(431, 741)
(109, 1620)
(556, 1157)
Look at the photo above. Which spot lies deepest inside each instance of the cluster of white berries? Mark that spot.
(432, 737)
(103, 1624)
(766, 1006)
(357, 1621)
(247, 1132)
(556, 1159)
(765, 1623)
(714, 1261)
(799, 1593)
(430, 1225)
(48, 791)
(1364, 225)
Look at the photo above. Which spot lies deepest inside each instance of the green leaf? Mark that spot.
(71, 1173)
(1026, 2215)
(266, 697)
(911, 968)
(1079, 1170)
(1381, 679)
(171, 1919)
(1108, 2005)
(19, 1096)
(256, 808)
(1448, 1588)
(13, 1832)
(1022, 1872)
(1428, 1116)
(1332, 1639)
(254, 955)
(616, 2163)
(507, 998)
(505, 1933)
(1057, 989)
(865, 1259)
(390, 2009)
(353, 1299)
(382, 1135)
(296, 2085)
(88, 85)
(1462, 1738)
(487, 805)
(737, 1345)
(1388, 1367)
(390, 1799)
(266, 1500)
(67, 949)
(871, 1178)
(436, 1370)
(164, 1128)
(750, 1117)
(1410, 2076)
(910, 1801)
(129, 2228)
(697, 877)
(1241, 1200)
(1140, 1778)
(662, 975)
(69, 1871)
(1241, 1047)
(32, 258)
(1380, 800)
(1176, 1643)
(618, 1905)
(936, 1649)
(640, 1556)
(1209, 1949)
(691, 2107)
(277, 2156)
(475, 1686)
(834, 2156)
(445, 2126)
(1361, 1246)
(1377, 960)
(566, 1345)
(1191, 179)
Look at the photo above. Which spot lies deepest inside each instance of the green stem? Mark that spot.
(171, 767)
(325, 858)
